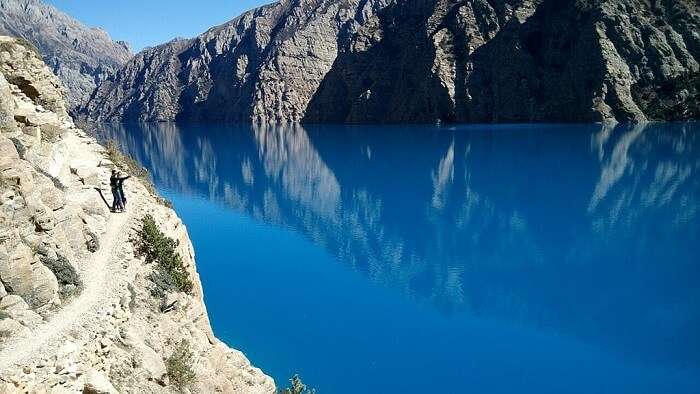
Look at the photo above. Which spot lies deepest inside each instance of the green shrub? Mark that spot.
(179, 366)
(158, 248)
(298, 387)
(4, 336)
(68, 278)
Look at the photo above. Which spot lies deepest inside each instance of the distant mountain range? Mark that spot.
(393, 61)
(81, 57)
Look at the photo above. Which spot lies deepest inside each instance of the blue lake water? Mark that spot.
(425, 259)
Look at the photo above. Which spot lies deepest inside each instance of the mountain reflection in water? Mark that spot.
(586, 231)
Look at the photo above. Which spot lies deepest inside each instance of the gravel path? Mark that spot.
(100, 274)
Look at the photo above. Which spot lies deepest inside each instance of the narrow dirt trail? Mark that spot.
(98, 275)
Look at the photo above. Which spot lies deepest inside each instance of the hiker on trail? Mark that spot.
(116, 184)
(120, 186)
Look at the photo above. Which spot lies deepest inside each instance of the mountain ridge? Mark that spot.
(81, 56)
(413, 61)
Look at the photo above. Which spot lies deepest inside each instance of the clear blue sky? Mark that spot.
(144, 23)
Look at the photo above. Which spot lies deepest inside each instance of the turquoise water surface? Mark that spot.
(426, 259)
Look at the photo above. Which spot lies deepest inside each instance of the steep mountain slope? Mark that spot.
(422, 61)
(80, 310)
(81, 57)
(264, 65)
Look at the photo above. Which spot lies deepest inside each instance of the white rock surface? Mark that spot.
(83, 321)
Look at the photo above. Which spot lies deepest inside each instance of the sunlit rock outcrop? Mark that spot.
(421, 61)
(78, 308)
(81, 57)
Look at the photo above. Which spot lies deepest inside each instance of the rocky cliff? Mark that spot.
(78, 308)
(422, 61)
(82, 57)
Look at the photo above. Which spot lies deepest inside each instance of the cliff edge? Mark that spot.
(79, 308)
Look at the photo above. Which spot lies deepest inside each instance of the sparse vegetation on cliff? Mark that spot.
(179, 366)
(157, 247)
(67, 276)
(297, 387)
(4, 335)
(132, 167)
(128, 164)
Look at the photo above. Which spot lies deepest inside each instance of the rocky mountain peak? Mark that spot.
(355, 61)
(80, 56)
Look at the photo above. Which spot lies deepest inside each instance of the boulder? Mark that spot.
(44, 218)
(13, 327)
(27, 277)
(7, 105)
(52, 159)
(25, 69)
(52, 198)
(7, 149)
(17, 173)
(152, 362)
(67, 350)
(96, 383)
(13, 303)
(72, 227)
(32, 131)
(26, 317)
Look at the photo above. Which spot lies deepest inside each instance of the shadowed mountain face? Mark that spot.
(80, 56)
(358, 61)
(584, 232)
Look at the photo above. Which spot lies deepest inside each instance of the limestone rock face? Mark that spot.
(7, 104)
(264, 65)
(27, 72)
(34, 215)
(422, 61)
(76, 302)
(96, 383)
(81, 57)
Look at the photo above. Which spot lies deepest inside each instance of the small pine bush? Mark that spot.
(68, 278)
(298, 387)
(158, 248)
(179, 366)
